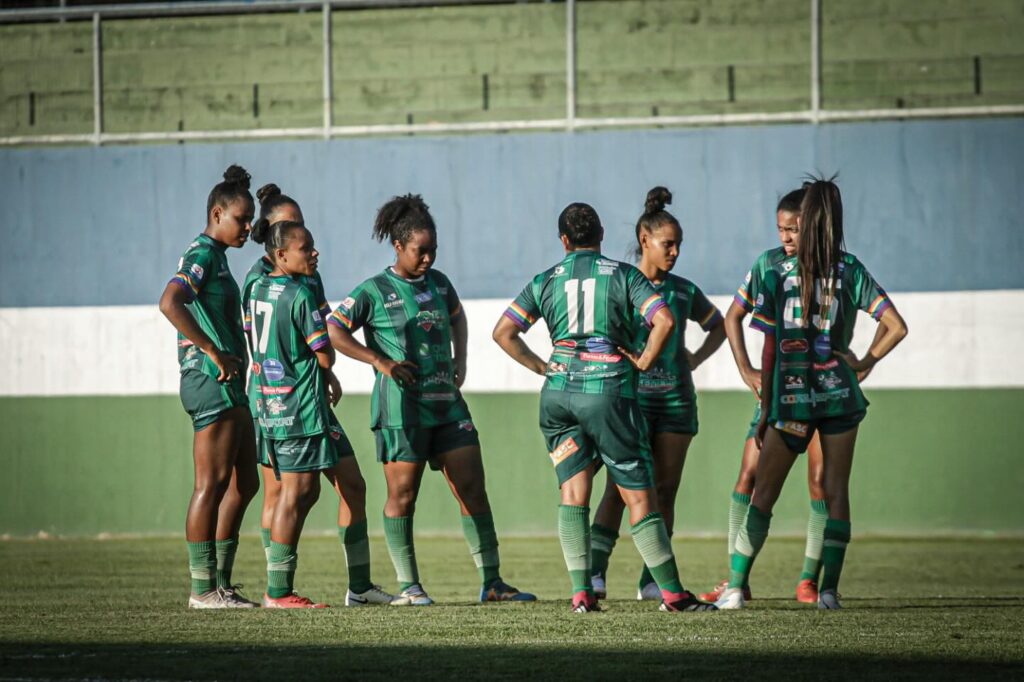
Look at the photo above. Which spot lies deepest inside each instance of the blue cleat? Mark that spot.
(499, 590)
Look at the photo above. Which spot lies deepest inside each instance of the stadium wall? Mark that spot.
(96, 440)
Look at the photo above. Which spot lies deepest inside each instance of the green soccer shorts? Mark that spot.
(206, 399)
(671, 418)
(424, 443)
(581, 429)
(312, 453)
(755, 420)
(798, 435)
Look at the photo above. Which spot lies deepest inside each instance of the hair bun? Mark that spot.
(657, 199)
(267, 191)
(237, 175)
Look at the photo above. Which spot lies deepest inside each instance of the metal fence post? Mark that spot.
(97, 80)
(570, 64)
(328, 83)
(815, 60)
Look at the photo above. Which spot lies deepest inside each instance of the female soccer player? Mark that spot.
(666, 395)
(290, 348)
(412, 318)
(809, 380)
(589, 413)
(345, 476)
(786, 212)
(202, 302)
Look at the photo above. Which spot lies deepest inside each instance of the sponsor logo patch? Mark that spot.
(348, 303)
(273, 369)
(831, 364)
(793, 428)
(559, 270)
(424, 297)
(823, 346)
(793, 381)
(564, 449)
(793, 345)
(435, 397)
(276, 406)
(830, 380)
(316, 317)
(565, 343)
(557, 367)
(794, 365)
(600, 357)
(466, 425)
(197, 270)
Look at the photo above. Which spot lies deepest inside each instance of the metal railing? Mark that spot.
(815, 114)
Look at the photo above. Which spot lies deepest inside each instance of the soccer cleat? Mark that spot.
(600, 589)
(684, 601)
(207, 600)
(828, 600)
(807, 592)
(731, 599)
(649, 592)
(414, 595)
(234, 599)
(584, 603)
(502, 591)
(716, 594)
(372, 596)
(291, 601)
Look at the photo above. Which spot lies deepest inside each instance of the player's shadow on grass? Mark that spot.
(258, 661)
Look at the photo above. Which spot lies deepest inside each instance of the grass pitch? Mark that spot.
(115, 609)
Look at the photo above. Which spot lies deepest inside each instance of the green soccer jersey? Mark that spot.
(809, 381)
(591, 305)
(752, 285)
(214, 302)
(667, 385)
(408, 320)
(260, 268)
(286, 331)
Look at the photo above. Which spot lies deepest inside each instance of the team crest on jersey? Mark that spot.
(559, 270)
(564, 449)
(428, 319)
(466, 425)
(787, 266)
(830, 380)
(793, 346)
(793, 428)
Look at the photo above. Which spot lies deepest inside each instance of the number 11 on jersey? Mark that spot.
(573, 291)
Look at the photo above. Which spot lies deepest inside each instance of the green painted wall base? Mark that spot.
(928, 462)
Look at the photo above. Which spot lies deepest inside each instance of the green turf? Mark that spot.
(114, 609)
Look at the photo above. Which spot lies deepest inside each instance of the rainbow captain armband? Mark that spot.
(651, 307)
(879, 306)
(762, 323)
(317, 339)
(340, 319)
(519, 316)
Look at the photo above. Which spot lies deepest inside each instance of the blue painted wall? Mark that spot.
(933, 205)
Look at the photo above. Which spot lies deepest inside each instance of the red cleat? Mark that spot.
(292, 601)
(807, 592)
(584, 603)
(716, 594)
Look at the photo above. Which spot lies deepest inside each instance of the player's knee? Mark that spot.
(745, 482)
(474, 498)
(666, 492)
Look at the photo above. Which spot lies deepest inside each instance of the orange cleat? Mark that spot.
(716, 594)
(807, 592)
(292, 601)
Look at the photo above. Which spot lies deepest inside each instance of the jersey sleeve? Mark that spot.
(321, 296)
(308, 321)
(525, 310)
(451, 297)
(764, 306)
(746, 295)
(353, 312)
(868, 295)
(194, 269)
(703, 311)
(643, 295)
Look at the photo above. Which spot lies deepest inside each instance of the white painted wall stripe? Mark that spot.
(957, 340)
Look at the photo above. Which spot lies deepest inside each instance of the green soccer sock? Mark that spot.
(357, 555)
(646, 578)
(225, 550)
(833, 553)
(202, 564)
(574, 535)
(749, 542)
(398, 534)
(281, 569)
(815, 538)
(651, 539)
(737, 512)
(483, 546)
(265, 539)
(602, 543)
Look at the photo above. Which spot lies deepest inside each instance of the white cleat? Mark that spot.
(731, 599)
(210, 600)
(372, 596)
(234, 599)
(414, 595)
(600, 589)
(828, 600)
(649, 592)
